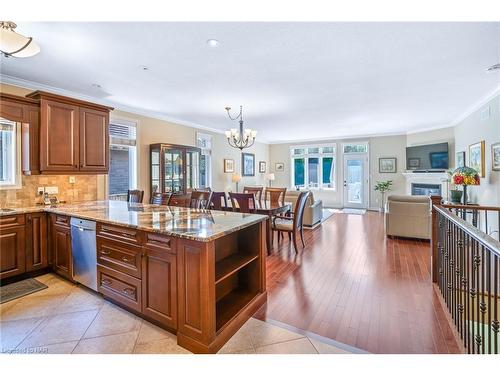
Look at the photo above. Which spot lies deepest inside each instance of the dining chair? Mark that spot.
(161, 198)
(135, 196)
(257, 190)
(200, 199)
(244, 201)
(180, 200)
(293, 225)
(275, 195)
(219, 200)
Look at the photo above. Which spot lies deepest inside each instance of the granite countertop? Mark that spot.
(193, 224)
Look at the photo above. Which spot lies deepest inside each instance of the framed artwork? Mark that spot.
(387, 165)
(476, 158)
(228, 165)
(460, 159)
(262, 167)
(413, 163)
(495, 156)
(439, 160)
(279, 167)
(247, 164)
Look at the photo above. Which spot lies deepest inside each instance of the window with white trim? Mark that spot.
(123, 158)
(204, 142)
(10, 154)
(313, 166)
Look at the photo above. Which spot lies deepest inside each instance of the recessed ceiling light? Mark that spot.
(493, 68)
(213, 42)
(143, 67)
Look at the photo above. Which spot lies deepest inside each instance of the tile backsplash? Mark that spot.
(84, 189)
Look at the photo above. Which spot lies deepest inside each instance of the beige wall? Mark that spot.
(472, 130)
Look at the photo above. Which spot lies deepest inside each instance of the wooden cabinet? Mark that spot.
(119, 287)
(159, 283)
(59, 136)
(74, 135)
(36, 241)
(12, 246)
(62, 261)
(94, 140)
(174, 168)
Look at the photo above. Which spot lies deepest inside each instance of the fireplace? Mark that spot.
(425, 189)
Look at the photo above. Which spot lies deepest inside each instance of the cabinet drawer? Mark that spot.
(160, 242)
(11, 221)
(62, 220)
(119, 256)
(119, 233)
(121, 288)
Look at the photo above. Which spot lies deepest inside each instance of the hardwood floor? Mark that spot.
(355, 286)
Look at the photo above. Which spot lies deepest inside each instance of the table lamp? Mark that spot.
(236, 178)
(270, 177)
(465, 176)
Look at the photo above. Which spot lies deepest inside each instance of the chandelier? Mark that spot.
(14, 44)
(243, 138)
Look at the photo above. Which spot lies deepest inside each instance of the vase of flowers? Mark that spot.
(465, 176)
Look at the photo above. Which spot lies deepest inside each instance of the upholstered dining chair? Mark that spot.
(200, 199)
(135, 196)
(219, 200)
(275, 195)
(242, 202)
(293, 225)
(161, 198)
(256, 190)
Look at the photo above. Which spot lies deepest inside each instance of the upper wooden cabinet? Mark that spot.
(74, 135)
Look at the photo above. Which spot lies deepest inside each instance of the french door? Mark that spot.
(355, 181)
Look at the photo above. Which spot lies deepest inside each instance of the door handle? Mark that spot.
(106, 281)
(345, 183)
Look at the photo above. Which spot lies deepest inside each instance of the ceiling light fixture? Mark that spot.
(144, 67)
(493, 68)
(96, 85)
(14, 44)
(243, 138)
(213, 42)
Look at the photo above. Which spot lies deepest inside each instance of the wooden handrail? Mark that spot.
(470, 207)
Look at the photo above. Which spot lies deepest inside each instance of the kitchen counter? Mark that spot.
(193, 224)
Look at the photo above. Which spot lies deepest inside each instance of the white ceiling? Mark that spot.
(296, 81)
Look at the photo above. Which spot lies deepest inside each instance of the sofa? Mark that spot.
(408, 216)
(313, 213)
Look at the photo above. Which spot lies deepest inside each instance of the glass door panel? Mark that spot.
(173, 171)
(192, 170)
(354, 181)
(155, 170)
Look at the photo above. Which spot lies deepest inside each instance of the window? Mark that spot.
(313, 167)
(204, 142)
(351, 148)
(10, 151)
(122, 154)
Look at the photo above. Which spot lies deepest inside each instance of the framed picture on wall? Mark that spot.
(413, 163)
(279, 167)
(387, 165)
(476, 157)
(228, 165)
(460, 159)
(495, 156)
(247, 164)
(262, 167)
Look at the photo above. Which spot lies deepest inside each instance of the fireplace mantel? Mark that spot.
(438, 178)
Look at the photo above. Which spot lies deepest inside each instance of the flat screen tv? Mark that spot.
(427, 157)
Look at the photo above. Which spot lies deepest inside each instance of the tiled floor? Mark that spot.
(65, 318)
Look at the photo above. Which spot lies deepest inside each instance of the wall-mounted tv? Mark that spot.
(427, 157)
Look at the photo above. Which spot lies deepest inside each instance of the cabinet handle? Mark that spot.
(106, 282)
(128, 291)
(127, 260)
(104, 252)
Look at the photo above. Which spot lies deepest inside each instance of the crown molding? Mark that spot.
(476, 106)
(31, 85)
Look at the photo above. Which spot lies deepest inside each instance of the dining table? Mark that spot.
(270, 209)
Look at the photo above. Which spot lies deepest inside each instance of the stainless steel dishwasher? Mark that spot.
(83, 247)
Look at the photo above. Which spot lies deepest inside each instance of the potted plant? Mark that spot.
(383, 187)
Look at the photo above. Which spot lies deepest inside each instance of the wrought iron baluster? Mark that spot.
(482, 306)
(488, 286)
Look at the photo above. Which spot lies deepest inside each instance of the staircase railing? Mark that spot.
(466, 269)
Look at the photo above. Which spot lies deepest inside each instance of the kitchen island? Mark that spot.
(198, 273)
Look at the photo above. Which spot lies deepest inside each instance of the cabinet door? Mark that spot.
(36, 241)
(61, 242)
(12, 251)
(159, 287)
(59, 137)
(94, 140)
(30, 133)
